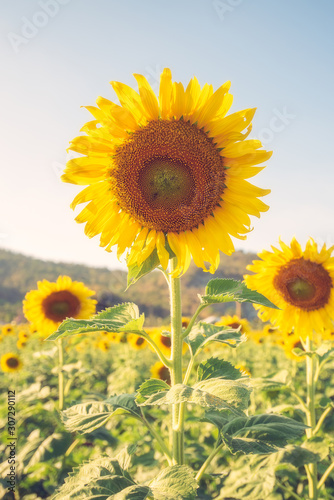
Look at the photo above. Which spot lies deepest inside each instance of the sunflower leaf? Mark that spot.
(261, 434)
(184, 394)
(149, 387)
(174, 483)
(244, 483)
(228, 290)
(203, 333)
(86, 417)
(217, 368)
(121, 318)
(135, 492)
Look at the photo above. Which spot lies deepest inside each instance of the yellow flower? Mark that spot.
(10, 362)
(51, 303)
(136, 342)
(161, 372)
(168, 172)
(21, 343)
(7, 329)
(103, 345)
(300, 283)
(23, 335)
(234, 322)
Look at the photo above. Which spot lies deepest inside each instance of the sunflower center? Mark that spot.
(166, 341)
(301, 289)
(140, 341)
(12, 362)
(169, 176)
(304, 284)
(166, 183)
(60, 305)
(164, 374)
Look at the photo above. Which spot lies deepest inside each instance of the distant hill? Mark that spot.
(19, 274)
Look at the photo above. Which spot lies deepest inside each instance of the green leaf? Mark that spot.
(98, 479)
(243, 483)
(150, 387)
(260, 434)
(203, 333)
(294, 455)
(136, 272)
(133, 493)
(120, 318)
(216, 418)
(86, 417)
(279, 381)
(232, 392)
(183, 394)
(217, 368)
(174, 483)
(53, 446)
(318, 445)
(228, 290)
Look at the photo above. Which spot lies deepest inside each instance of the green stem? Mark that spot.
(61, 373)
(71, 448)
(193, 319)
(325, 475)
(176, 358)
(311, 418)
(321, 419)
(207, 462)
(162, 358)
(288, 490)
(157, 436)
(189, 368)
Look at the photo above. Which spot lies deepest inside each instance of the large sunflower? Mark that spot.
(300, 283)
(167, 172)
(51, 303)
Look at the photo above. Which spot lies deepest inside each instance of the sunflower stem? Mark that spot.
(61, 373)
(176, 358)
(311, 418)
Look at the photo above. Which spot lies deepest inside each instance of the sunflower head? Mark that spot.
(10, 362)
(136, 342)
(300, 282)
(8, 330)
(51, 303)
(161, 372)
(167, 174)
(234, 322)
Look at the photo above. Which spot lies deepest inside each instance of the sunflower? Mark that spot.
(51, 303)
(23, 335)
(7, 330)
(234, 322)
(21, 343)
(300, 283)
(10, 362)
(136, 342)
(161, 372)
(168, 174)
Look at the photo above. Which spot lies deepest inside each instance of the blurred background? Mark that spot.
(57, 55)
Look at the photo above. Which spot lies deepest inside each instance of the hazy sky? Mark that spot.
(57, 55)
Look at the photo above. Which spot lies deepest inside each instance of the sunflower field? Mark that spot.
(101, 404)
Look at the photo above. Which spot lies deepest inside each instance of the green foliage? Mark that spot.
(150, 387)
(121, 318)
(215, 367)
(232, 392)
(244, 483)
(181, 393)
(260, 434)
(229, 290)
(86, 417)
(174, 483)
(136, 272)
(203, 333)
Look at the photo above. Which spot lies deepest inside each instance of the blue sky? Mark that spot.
(58, 55)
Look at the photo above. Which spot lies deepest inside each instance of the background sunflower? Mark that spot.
(51, 303)
(300, 283)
